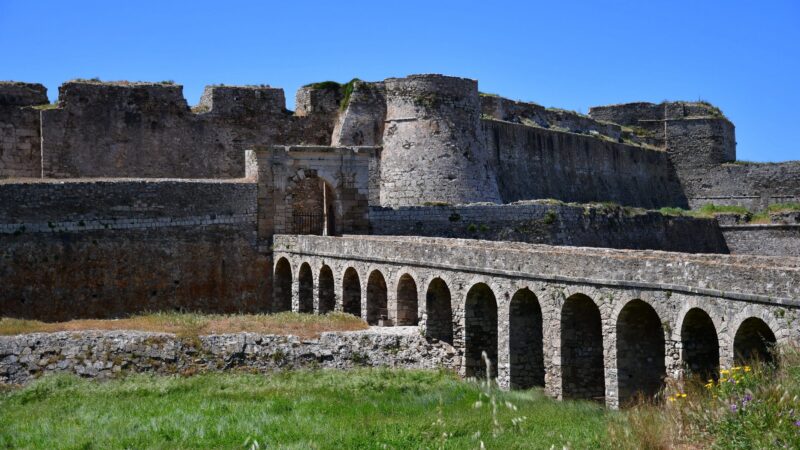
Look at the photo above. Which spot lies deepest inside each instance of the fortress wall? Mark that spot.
(362, 120)
(535, 163)
(766, 239)
(752, 185)
(110, 248)
(20, 151)
(147, 130)
(540, 223)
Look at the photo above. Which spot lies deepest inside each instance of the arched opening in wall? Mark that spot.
(351, 292)
(377, 305)
(305, 281)
(699, 345)
(312, 204)
(282, 286)
(327, 297)
(439, 312)
(407, 303)
(582, 367)
(641, 368)
(754, 341)
(480, 331)
(526, 350)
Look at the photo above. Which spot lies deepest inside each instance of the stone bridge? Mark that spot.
(582, 322)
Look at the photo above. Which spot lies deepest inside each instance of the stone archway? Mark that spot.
(754, 341)
(312, 204)
(407, 301)
(305, 291)
(699, 345)
(641, 367)
(377, 298)
(351, 292)
(526, 350)
(439, 311)
(325, 290)
(282, 286)
(480, 331)
(582, 365)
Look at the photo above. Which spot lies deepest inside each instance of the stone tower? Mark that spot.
(433, 148)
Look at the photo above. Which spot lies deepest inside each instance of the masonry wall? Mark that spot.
(111, 248)
(20, 151)
(767, 239)
(542, 223)
(537, 163)
(147, 129)
(752, 185)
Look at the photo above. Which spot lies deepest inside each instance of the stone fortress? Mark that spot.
(543, 237)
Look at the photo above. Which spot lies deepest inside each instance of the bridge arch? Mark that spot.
(526, 349)
(582, 365)
(439, 311)
(699, 345)
(407, 301)
(377, 297)
(754, 340)
(282, 286)
(351, 292)
(641, 366)
(305, 289)
(325, 290)
(480, 330)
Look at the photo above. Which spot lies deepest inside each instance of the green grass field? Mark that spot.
(307, 409)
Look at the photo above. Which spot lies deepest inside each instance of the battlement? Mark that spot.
(241, 100)
(14, 93)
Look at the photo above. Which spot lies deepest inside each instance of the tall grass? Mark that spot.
(301, 409)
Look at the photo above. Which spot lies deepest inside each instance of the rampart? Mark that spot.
(543, 222)
(536, 163)
(107, 248)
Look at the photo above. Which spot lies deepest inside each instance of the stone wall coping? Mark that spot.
(365, 150)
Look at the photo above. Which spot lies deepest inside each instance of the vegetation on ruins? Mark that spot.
(196, 324)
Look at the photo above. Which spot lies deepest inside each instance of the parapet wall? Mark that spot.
(537, 163)
(20, 151)
(554, 224)
(110, 248)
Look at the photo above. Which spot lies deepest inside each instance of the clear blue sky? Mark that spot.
(742, 56)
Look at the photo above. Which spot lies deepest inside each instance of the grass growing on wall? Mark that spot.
(194, 324)
(305, 409)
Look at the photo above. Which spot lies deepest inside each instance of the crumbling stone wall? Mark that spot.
(147, 130)
(361, 122)
(620, 290)
(104, 249)
(763, 239)
(20, 151)
(543, 222)
(97, 354)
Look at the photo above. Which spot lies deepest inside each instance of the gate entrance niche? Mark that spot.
(312, 204)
